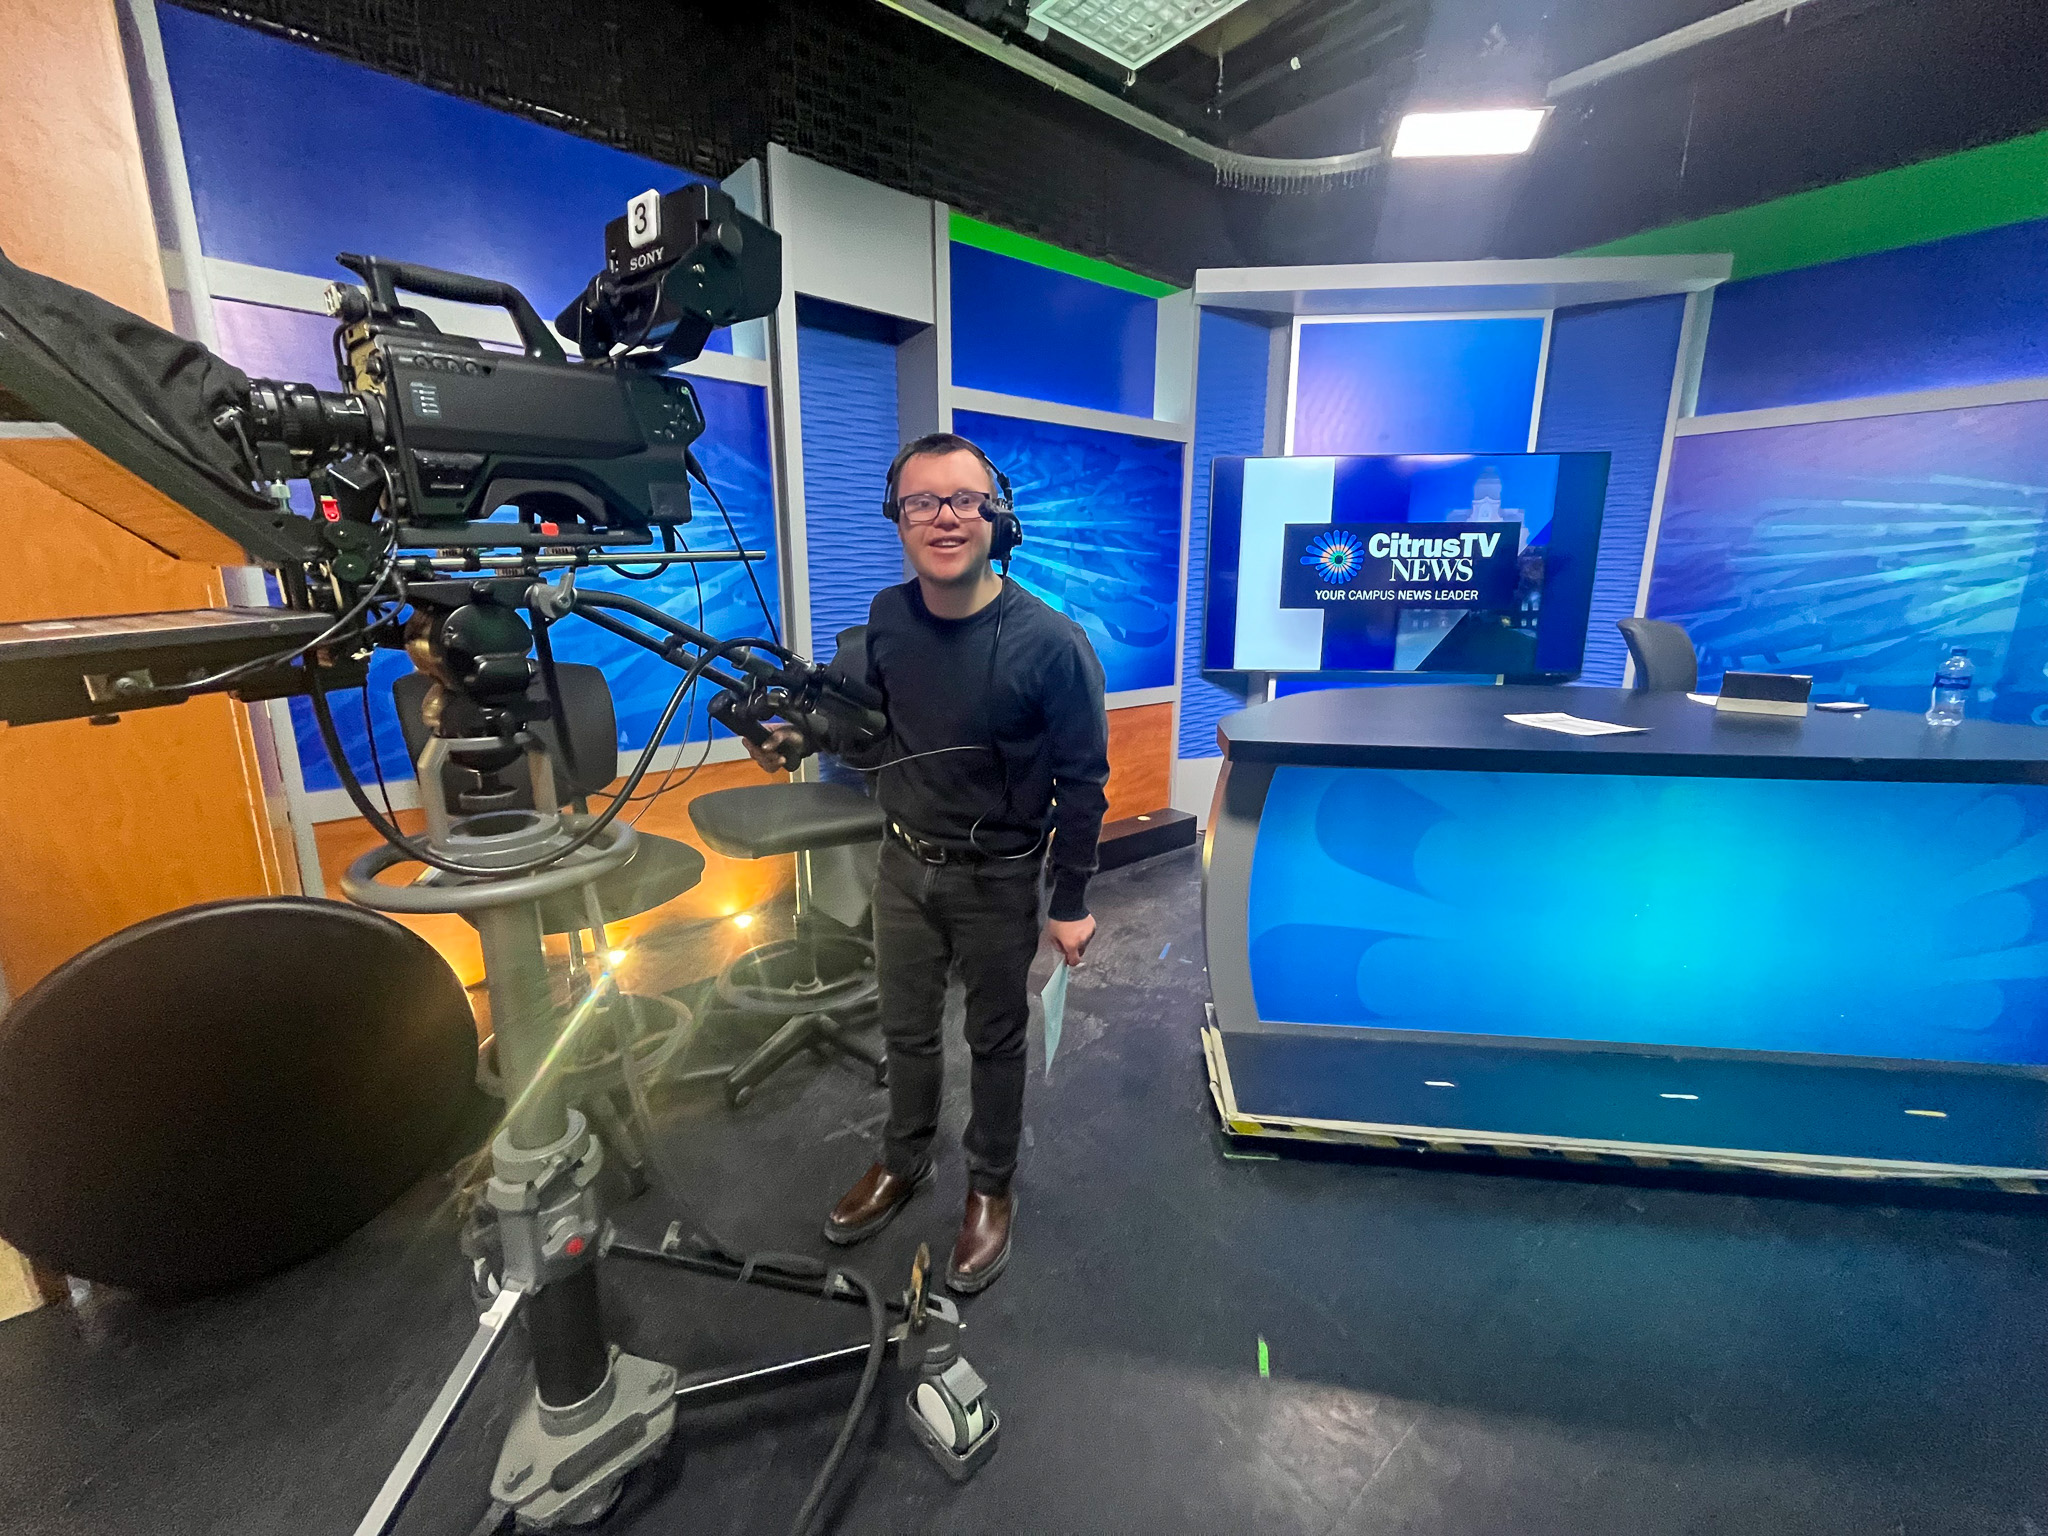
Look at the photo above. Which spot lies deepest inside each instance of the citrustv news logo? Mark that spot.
(1335, 556)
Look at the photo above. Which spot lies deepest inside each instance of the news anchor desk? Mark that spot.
(1811, 945)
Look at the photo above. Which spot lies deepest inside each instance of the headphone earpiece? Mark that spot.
(1009, 527)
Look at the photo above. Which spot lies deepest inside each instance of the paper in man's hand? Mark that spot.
(1054, 997)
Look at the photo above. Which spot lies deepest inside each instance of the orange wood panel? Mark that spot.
(74, 197)
(76, 469)
(101, 825)
(1140, 760)
(728, 886)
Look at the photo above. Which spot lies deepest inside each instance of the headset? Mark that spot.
(1001, 511)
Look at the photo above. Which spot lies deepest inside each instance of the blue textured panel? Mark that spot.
(1972, 309)
(850, 434)
(734, 450)
(1860, 551)
(1608, 386)
(1101, 513)
(1230, 420)
(1023, 329)
(1834, 917)
(1416, 386)
(295, 155)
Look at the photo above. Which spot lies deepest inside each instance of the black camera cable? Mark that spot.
(797, 1266)
(376, 757)
(988, 696)
(668, 547)
(558, 710)
(668, 778)
(696, 468)
(330, 738)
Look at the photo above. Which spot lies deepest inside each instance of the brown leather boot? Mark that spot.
(984, 1245)
(873, 1203)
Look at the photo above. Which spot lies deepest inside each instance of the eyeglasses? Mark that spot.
(923, 506)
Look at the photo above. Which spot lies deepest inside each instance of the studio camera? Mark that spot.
(437, 431)
(440, 456)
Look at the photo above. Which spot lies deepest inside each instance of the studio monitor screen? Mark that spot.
(1454, 564)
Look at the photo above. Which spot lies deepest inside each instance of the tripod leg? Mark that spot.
(469, 1370)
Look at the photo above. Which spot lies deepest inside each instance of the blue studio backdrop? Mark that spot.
(1026, 330)
(1101, 514)
(1416, 386)
(1860, 549)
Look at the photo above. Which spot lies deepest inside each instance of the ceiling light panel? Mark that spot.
(1131, 32)
(1509, 131)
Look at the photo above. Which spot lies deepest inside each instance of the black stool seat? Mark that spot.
(660, 870)
(226, 1089)
(760, 820)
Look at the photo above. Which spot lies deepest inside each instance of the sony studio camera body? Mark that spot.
(435, 432)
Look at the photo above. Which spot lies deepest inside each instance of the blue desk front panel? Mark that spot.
(1856, 919)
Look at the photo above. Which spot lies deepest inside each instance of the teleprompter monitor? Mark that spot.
(1471, 564)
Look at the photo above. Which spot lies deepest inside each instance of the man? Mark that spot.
(997, 748)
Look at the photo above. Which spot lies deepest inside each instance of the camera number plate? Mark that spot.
(643, 219)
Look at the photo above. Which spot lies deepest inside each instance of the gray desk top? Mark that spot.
(1460, 726)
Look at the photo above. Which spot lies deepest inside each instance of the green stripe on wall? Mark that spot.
(988, 237)
(1954, 195)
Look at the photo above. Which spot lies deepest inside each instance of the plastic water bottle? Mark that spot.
(1951, 689)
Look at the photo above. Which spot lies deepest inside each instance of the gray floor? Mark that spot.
(1453, 1349)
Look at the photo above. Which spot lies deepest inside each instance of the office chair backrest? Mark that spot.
(1664, 657)
(593, 732)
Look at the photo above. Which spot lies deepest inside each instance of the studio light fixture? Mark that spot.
(1131, 32)
(1498, 131)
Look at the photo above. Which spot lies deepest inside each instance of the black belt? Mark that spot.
(927, 852)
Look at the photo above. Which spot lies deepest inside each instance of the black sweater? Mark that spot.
(1034, 687)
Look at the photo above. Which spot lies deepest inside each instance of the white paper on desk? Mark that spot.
(1572, 725)
(1054, 997)
(1711, 699)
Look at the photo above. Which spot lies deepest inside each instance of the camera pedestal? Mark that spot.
(594, 1413)
(573, 1443)
(565, 1466)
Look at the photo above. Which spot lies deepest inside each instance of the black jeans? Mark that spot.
(984, 919)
